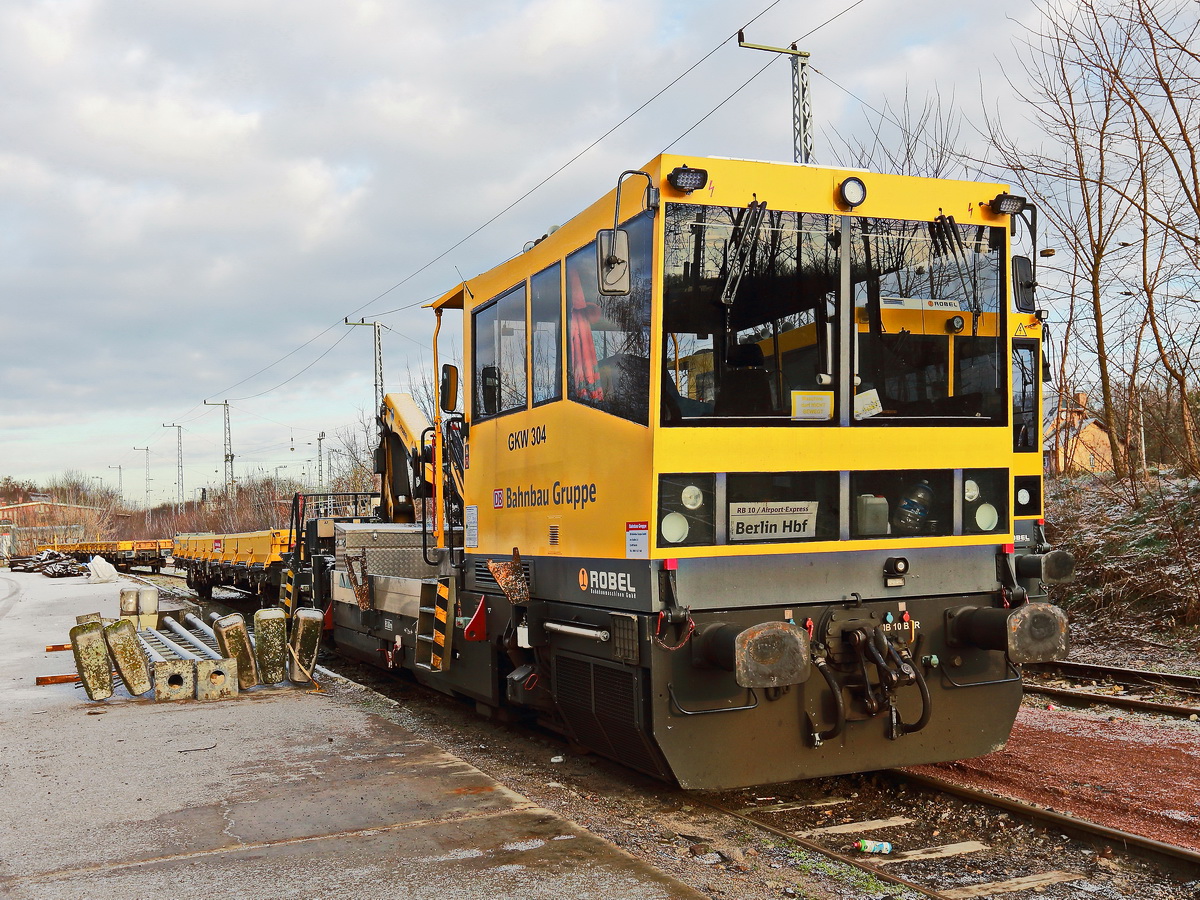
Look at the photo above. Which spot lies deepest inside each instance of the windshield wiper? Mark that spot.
(739, 252)
(947, 241)
(741, 247)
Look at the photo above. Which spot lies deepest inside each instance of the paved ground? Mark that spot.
(277, 794)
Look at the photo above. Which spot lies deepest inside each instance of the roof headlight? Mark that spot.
(1008, 204)
(686, 179)
(852, 192)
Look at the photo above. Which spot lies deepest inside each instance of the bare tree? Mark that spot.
(1116, 92)
(908, 141)
(1084, 181)
(354, 470)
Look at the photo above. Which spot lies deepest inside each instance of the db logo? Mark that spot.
(498, 498)
(583, 579)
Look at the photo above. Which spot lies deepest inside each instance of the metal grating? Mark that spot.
(484, 578)
(573, 690)
(601, 705)
(625, 644)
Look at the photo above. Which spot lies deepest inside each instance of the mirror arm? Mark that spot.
(649, 190)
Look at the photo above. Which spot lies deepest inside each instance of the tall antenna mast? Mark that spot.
(229, 483)
(179, 467)
(147, 506)
(801, 100)
(378, 328)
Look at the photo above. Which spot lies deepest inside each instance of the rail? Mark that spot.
(1179, 859)
(1170, 681)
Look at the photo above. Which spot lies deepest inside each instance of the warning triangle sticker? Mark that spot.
(1020, 332)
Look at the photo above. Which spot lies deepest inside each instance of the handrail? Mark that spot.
(705, 712)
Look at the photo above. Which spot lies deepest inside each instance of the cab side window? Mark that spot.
(608, 338)
(545, 336)
(498, 353)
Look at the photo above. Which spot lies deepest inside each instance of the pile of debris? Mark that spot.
(50, 563)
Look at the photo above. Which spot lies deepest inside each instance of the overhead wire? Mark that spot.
(891, 120)
(747, 82)
(298, 374)
(483, 225)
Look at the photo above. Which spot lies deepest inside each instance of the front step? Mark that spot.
(434, 626)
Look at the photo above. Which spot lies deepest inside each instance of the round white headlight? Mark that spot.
(986, 517)
(970, 491)
(852, 192)
(692, 497)
(1023, 496)
(674, 527)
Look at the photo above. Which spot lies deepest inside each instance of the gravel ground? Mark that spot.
(673, 830)
(1135, 773)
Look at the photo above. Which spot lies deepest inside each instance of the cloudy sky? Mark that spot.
(194, 196)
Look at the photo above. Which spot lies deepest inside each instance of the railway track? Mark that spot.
(950, 843)
(1134, 686)
(936, 855)
(957, 843)
(146, 578)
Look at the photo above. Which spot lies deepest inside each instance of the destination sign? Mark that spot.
(773, 521)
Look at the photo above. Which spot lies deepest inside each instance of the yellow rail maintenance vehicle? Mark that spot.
(251, 562)
(746, 486)
(122, 554)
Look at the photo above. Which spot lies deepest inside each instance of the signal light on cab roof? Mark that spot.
(1008, 204)
(686, 179)
(852, 192)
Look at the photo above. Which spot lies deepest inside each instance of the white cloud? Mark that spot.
(189, 192)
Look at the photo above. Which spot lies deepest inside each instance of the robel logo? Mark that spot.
(610, 584)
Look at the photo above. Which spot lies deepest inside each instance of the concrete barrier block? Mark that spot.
(88, 617)
(91, 659)
(126, 651)
(307, 625)
(129, 601)
(216, 679)
(270, 645)
(175, 679)
(233, 640)
(148, 601)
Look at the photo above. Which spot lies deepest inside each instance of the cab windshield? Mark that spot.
(756, 326)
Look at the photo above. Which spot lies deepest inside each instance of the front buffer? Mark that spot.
(889, 686)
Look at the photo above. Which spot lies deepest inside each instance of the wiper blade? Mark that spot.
(741, 248)
(948, 241)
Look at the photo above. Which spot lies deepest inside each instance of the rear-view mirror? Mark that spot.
(612, 262)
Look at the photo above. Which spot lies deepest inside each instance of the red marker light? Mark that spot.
(1010, 548)
(670, 564)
